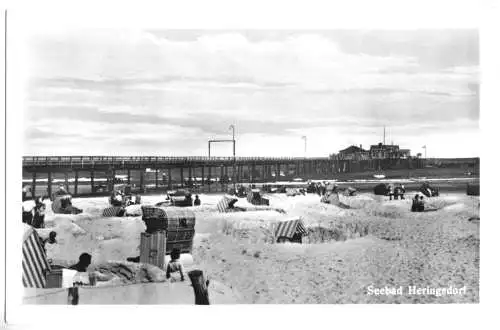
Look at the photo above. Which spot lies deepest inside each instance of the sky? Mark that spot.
(167, 92)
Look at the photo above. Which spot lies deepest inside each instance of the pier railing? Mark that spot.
(119, 160)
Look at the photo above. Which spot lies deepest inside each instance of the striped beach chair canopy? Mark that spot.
(288, 228)
(167, 212)
(35, 264)
(225, 204)
(112, 211)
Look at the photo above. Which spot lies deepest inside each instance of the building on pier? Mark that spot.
(388, 151)
(377, 151)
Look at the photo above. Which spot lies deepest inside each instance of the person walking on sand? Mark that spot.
(175, 265)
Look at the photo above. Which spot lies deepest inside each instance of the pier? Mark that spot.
(98, 173)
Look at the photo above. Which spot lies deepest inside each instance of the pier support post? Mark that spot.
(278, 172)
(33, 185)
(92, 189)
(141, 180)
(76, 183)
(170, 179)
(156, 178)
(113, 174)
(66, 183)
(221, 178)
(203, 176)
(49, 184)
(128, 176)
(182, 177)
(209, 177)
(190, 173)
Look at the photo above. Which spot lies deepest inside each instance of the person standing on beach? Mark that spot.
(39, 214)
(391, 191)
(26, 189)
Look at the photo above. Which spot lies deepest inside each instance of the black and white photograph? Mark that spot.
(202, 166)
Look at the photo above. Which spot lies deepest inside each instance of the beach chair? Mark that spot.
(35, 263)
(290, 230)
(226, 204)
(178, 223)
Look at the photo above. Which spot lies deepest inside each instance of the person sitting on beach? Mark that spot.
(414, 203)
(421, 206)
(175, 265)
(197, 201)
(50, 240)
(84, 261)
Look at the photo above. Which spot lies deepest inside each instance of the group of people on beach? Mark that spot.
(396, 191)
(34, 213)
(174, 266)
(417, 204)
(319, 188)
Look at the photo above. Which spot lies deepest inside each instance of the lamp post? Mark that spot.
(425, 154)
(232, 127)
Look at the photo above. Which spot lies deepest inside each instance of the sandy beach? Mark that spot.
(375, 242)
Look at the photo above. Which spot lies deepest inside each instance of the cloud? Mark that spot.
(143, 87)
